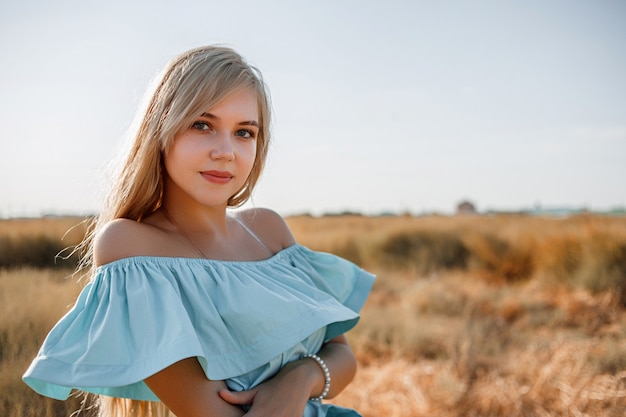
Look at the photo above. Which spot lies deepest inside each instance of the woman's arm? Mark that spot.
(338, 356)
(287, 392)
(185, 390)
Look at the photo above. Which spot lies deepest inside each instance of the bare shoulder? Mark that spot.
(123, 238)
(269, 226)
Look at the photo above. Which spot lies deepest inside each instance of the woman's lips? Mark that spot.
(217, 177)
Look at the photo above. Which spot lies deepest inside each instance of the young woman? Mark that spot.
(209, 311)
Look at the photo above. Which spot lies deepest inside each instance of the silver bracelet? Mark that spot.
(322, 365)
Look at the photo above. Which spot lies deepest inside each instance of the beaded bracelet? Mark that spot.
(322, 364)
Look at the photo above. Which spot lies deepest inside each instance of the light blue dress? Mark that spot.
(242, 320)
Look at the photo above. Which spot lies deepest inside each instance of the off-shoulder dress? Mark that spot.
(242, 320)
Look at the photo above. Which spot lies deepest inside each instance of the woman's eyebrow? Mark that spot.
(244, 123)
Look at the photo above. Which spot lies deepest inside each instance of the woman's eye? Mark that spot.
(245, 133)
(204, 126)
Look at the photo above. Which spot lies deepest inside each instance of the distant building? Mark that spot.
(466, 207)
(557, 211)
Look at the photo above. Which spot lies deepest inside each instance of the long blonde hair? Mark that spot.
(189, 85)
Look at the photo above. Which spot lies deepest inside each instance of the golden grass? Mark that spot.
(531, 324)
(31, 301)
(46, 242)
(70, 228)
(510, 352)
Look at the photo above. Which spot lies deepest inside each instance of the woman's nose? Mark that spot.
(222, 147)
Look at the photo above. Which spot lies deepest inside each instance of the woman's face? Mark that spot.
(210, 160)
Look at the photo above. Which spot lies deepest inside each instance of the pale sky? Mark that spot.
(379, 105)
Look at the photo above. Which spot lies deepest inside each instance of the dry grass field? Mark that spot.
(469, 316)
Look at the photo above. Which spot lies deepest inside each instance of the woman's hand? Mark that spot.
(286, 394)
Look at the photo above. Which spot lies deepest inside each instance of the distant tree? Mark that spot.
(466, 207)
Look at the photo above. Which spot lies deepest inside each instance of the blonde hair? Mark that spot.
(189, 85)
(124, 407)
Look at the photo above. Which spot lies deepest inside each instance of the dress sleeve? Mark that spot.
(343, 280)
(120, 331)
